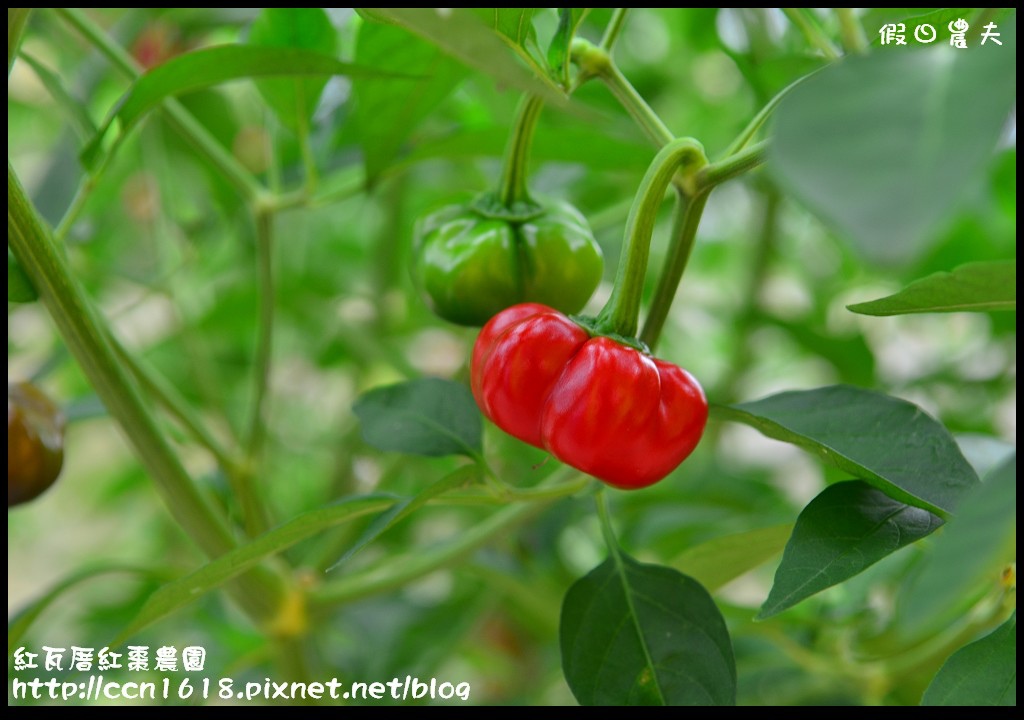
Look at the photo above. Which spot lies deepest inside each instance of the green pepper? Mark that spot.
(473, 260)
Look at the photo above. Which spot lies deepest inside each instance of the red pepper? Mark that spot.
(594, 403)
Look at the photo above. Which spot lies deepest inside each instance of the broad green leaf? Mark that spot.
(19, 288)
(843, 531)
(461, 33)
(634, 634)
(891, 443)
(401, 510)
(883, 146)
(294, 100)
(429, 416)
(212, 66)
(516, 24)
(723, 559)
(72, 108)
(974, 287)
(176, 595)
(980, 674)
(18, 625)
(569, 20)
(388, 110)
(967, 559)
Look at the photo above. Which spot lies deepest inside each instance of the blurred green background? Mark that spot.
(166, 249)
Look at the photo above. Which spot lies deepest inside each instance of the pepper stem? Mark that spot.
(513, 190)
(621, 314)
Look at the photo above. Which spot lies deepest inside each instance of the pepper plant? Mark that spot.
(249, 255)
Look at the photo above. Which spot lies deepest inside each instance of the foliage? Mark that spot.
(210, 217)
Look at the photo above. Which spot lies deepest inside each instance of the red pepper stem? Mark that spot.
(621, 314)
(513, 188)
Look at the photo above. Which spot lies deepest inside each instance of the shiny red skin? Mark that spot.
(602, 407)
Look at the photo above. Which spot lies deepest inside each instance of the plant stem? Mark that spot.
(17, 19)
(256, 516)
(851, 31)
(179, 118)
(714, 174)
(158, 387)
(762, 116)
(87, 337)
(513, 188)
(594, 61)
(413, 566)
(812, 32)
(620, 315)
(685, 220)
(614, 29)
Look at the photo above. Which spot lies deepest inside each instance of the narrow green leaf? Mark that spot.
(842, 532)
(401, 510)
(19, 288)
(890, 443)
(967, 559)
(389, 110)
(176, 595)
(461, 33)
(430, 416)
(883, 146)
(983, 673)
(71, 107)
(569, 20)
(294, 100)
(723, 559)
(212, 66)
(18, 625)
(634, 634)
(974, 287)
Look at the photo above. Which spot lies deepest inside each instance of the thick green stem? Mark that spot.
(611, 33)
(686, 219)
(812, 32)
(513, 189)
(714, 174)
(87, 337)
(851, 31)
(179, 118)
(621, 314)
(17, 19)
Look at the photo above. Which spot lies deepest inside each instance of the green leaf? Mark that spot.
(176, 595)
(212, 66)
(516, 24)
(429, 416)
(294, 100)
(388, 110)
(982, 673)
(461, 33)
(968, 557)
(401, 510)
(883, 146)
(842, 532)
(890, 443)
(569, 20)
(19, 288)
(974, 287)
(723, 559)
(634, 634)
(18, 625)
